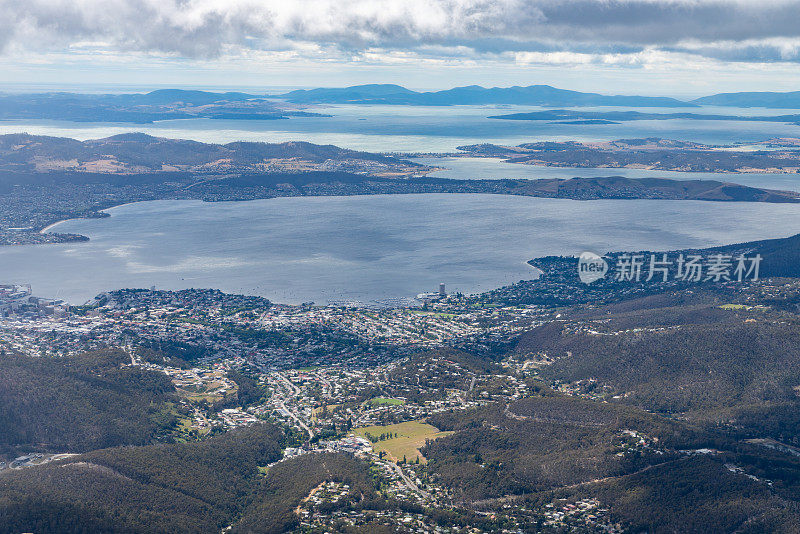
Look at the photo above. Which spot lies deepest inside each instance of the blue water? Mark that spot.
(379, 247)
(366, 248)
(497, 169)
(424, 128)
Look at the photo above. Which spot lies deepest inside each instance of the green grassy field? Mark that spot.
(435, 314)
(316, 411)
(383, 400)
(195, 394)
(411, 436)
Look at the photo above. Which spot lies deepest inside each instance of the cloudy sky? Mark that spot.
(679, 47)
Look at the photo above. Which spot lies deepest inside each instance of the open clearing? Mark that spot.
(411, 436)
(382, 400)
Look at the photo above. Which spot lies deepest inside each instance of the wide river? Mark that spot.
(375, 248)
(366, 248)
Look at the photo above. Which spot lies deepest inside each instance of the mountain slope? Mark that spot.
(789, 100)
(542, 95)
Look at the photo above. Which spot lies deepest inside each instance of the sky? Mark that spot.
(677, 47)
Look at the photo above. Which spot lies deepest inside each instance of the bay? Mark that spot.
(366, 248)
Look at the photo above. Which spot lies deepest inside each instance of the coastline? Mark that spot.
(147, 278)
(103, 210)
(467, 187)
(50, 226)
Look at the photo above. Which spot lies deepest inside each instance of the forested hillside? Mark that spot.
(738, 371)
(191, 487)
(286, 484)
(80, 403)
(545, 442)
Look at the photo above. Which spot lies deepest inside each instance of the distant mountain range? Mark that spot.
(789, 100)
(539, 95)
(164, 104)
(170, 104)
(536, 95)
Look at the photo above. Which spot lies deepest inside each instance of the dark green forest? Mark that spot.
(731, 371)
(81, 403)
(192, 487)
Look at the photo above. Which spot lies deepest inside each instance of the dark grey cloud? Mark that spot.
(728, 30)
(665, 22)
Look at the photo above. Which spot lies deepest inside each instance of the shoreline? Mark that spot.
(632, 167)
(532, 272)
(103, 210)
(792, 199)
(788, 197)
(49, 226)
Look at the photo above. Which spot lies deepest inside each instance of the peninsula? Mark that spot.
(48, 179)
(779, 155)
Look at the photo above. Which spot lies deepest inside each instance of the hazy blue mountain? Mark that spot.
(163, 104)
(168, 96)
(541, 95)
(788, 100)
(362, 94)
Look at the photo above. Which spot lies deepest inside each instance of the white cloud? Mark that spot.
(632, 32)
